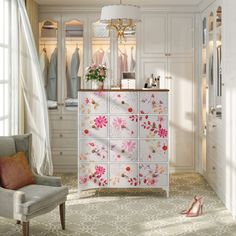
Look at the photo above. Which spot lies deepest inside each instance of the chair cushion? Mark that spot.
(15, 172)
(7, 146)
(39, 197)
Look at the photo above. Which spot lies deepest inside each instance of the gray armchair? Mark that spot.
(31, 200)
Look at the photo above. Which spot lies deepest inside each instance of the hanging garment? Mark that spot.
(106, 59)
(74, 68)
(132, 61)
(119, 68)
(52, 77)
(44, 62)
(122, 65)
(98, 57)
(125, 63)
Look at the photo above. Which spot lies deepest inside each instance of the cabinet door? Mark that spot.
(123, 126)
(123, 175)
(153, 103)
(181, 114)
(153, 126)
(93, 126)
(123, 150)
(154, 34)
(93, 102)
(123, 102)
(93, 150)
(153, 150)
(153, 175)
(92, 175)
(181, 34)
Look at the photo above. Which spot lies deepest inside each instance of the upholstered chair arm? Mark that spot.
(10, 202)
(48, 180)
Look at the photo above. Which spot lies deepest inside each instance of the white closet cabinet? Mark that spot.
(167, 35)
(181, 101)
(62, 115)
(154, 34)
(168, 51)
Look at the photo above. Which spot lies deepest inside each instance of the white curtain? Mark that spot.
(31, 80)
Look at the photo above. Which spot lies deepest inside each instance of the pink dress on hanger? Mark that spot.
(98, 57)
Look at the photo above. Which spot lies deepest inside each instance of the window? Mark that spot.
(8, 68)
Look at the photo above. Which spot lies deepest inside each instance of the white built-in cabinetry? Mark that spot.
(212, 81)
(165, 47)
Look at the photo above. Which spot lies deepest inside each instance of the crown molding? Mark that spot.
(76, 9)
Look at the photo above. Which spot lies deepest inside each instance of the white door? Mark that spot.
(154, 35)
(181, 113)
(181, 35)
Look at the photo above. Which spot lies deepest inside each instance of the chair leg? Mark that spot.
(18, 222)
(25, 227)
(62, 215)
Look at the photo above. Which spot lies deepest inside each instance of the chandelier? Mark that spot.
(120, 17)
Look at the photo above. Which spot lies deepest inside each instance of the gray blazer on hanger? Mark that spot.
(74, 68)
(52, 77)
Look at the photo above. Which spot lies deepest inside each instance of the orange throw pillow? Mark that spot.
(15, 172)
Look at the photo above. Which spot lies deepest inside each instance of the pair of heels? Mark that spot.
(195, 207)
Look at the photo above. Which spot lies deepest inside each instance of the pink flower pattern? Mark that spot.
(128, 145)
(119, 123)
(162, 133)
(153, 127)
(100, 121)
(99, 170)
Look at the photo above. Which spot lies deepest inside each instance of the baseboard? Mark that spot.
(182, 170)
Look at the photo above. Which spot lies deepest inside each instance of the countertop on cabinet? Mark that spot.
(124, 90)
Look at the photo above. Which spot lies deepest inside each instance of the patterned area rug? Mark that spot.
(134, 212)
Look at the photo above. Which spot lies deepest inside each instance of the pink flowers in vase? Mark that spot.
(96, 73)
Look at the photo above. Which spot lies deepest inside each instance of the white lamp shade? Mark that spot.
(114, 12)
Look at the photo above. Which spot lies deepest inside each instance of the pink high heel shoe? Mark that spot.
(197, 208)
(190, 206)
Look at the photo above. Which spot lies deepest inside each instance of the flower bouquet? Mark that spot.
(96, 74)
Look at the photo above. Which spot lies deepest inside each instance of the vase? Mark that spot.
(97, 85)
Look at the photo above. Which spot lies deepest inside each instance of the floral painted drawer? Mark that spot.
(123, 103)
(123, 175)
(153, 150)
(123, 139)
(153, 103)
(153, 126)
(153, 175)
(122, 126)
(93, 150)
(93, 175)
(123, 150)
(94, 102)
(93, 126)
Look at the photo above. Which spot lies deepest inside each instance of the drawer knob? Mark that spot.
(214, 126)
(61, 118)
(61, 153)
(61, 135)
(213, 168)
(214, 147)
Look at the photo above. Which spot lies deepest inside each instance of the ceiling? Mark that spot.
(99, 3)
